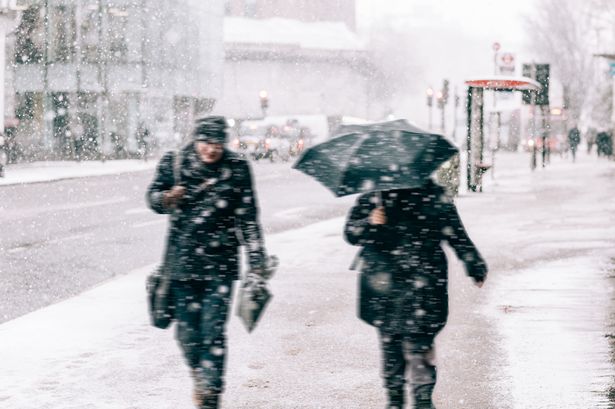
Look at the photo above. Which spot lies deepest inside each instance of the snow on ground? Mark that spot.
(37, 172)
(536, 336)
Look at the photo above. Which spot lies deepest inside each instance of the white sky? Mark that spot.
(453, 37)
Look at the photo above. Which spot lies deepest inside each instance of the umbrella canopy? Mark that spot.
(380, 156)
(254, 295)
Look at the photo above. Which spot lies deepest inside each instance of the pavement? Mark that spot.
(40, 172)
(539, 334)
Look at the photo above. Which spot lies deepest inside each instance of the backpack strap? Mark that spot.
(177, 165)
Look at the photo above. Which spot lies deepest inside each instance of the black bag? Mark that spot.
(160, 300)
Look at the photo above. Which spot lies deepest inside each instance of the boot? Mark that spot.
(206, 400)
(422, 397)
(396, 399)
(210, 402)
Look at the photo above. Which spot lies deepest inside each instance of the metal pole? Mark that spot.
(430, 117)
(469, 138)
(533, 105)
(442, 119)
(2, 65)
(543, 135)
(78, 19)
(102, 74)
(456, 106)
(47, 117)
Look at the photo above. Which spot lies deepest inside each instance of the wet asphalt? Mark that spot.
(539, 334)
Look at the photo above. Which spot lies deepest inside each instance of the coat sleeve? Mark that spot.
(455, 234)
(359, 232)
(163, 181)
(248, 218)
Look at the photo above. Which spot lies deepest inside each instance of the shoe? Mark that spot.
(206, 400)
(422, 397)
(396, 399)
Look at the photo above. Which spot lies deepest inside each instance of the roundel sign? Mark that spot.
(507, 60)
(496, 46)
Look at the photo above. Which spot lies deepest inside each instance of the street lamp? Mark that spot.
(429, 93)
(264, 98)
(441, 102)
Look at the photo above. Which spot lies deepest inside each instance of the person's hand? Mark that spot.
(479, 283)
(173, 197)
(377, 216)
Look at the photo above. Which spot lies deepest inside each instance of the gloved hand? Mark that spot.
(172, 197)
(266, 271)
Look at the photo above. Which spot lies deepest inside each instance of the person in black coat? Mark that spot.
(403, 279)
(574, 139)
(208, 191)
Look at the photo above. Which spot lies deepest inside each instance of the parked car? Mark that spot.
(248, 146)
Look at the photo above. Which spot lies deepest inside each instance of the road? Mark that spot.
(60, 238)
(538, 335)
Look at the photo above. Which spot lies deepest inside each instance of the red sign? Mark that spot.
(496, 46)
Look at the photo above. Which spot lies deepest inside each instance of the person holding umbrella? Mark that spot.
(400, 220)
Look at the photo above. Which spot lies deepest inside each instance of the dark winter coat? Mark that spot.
(574, 137)
(217, 214)
(403, 279)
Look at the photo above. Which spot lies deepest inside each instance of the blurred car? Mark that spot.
(248, 146)
(272, 142)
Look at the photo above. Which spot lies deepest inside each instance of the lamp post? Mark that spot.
(264, 98)
(429, 93)
(440, 99)
(456, 105)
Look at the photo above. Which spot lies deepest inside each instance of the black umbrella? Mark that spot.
(381, 156)
(254, 295)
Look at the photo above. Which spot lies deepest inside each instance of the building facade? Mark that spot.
(89, 73)
(308, 11)
(304, 68)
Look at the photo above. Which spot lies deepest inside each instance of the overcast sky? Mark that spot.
(453, 37)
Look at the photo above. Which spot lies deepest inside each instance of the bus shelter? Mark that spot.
(475, 139)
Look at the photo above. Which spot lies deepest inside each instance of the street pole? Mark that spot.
(440, 98)
(495, 116)
(47, 114)
(456, 105)
(533, 161)
(429, 93)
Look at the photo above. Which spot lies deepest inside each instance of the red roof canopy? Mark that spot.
(504, 83)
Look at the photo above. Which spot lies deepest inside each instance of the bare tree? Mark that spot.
(563, 32)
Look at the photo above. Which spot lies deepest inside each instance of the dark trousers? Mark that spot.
(201, 313)
(400, 353)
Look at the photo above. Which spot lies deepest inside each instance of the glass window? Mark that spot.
(29, 37)
(117, 30)
(89, 30)
(62, 33)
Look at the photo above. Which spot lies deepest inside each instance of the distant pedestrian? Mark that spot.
(604, 144)
(212, 206)
(142, 135)
(574, 138)
(403, 280)
(590, 138)
(4, 157)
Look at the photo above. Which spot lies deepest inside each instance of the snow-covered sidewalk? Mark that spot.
(535, 336)
(37, 172)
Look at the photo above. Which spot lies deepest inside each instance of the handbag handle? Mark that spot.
(177, 163)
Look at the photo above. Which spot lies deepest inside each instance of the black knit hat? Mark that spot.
(210, 129)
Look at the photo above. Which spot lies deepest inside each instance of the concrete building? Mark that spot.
(302, 10)
(88, 72)
(318, 68)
